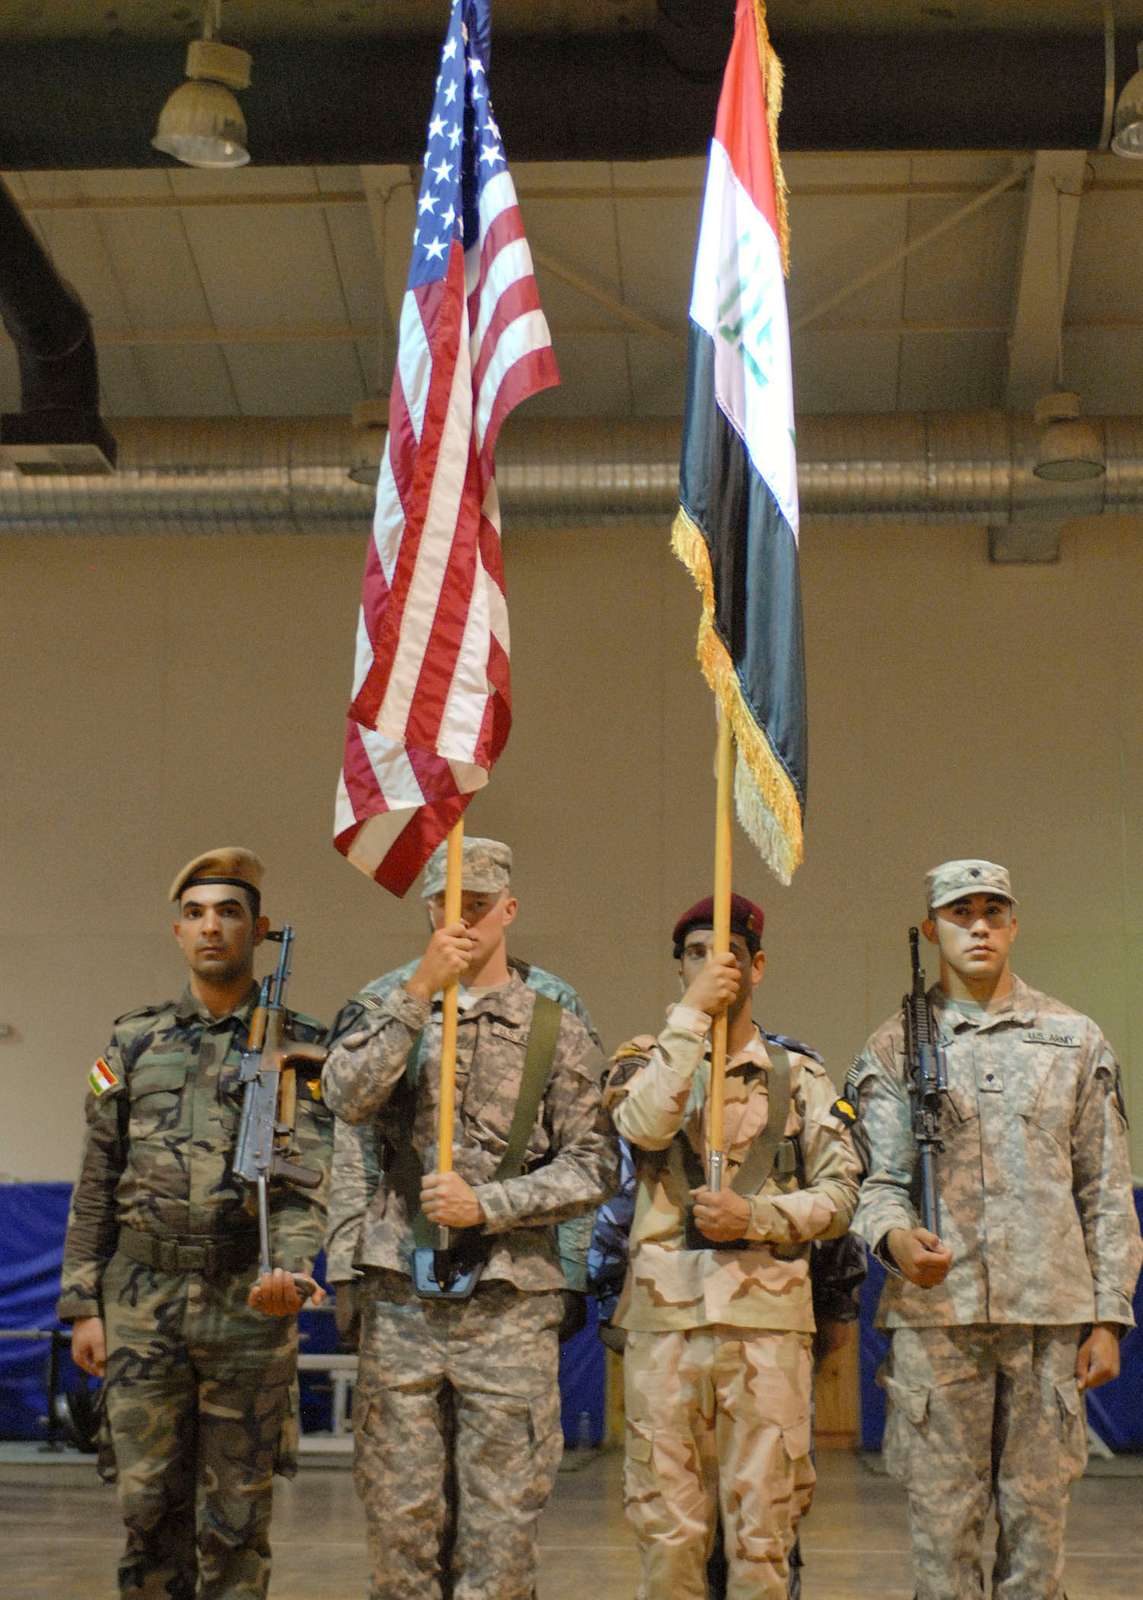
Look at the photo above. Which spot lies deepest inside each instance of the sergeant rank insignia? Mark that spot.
(101, 1078)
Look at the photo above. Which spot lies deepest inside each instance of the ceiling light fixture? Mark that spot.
(1069, 448)
(1127, 134)
(369, 421)
(202, 124)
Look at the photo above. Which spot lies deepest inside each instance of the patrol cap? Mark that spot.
(486, 868)
(952, 879)
(746, 919)
(230, 864)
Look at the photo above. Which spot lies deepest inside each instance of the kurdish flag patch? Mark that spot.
(101, 1078)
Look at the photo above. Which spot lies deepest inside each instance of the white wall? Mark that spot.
(165, 695)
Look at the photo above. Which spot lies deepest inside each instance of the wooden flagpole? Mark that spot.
(454, 871)
(723, 852)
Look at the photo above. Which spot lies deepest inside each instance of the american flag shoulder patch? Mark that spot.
(101, 1078)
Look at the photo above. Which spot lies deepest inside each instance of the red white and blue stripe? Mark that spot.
(737, 528)
(431, 702)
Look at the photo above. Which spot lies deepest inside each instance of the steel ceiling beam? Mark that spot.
(321, 101)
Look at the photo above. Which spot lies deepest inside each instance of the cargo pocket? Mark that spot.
(1071, 1424)
(797, 1439)
(641, 1489)
(905, 1425)
(105, 1463)
(286, 1449)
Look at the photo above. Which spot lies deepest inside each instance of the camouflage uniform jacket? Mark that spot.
(1034, 1182)
(160, 1142)
(357, 1170)
(659, 1090)
(570, 1160)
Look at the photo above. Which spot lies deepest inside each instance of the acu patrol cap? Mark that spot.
(746, 919)
(230, 864)
(486, 868)
(952, 879)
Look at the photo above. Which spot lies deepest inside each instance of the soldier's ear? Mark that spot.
(261, 929)
(929, 929)
(757, 967)
(511, 906)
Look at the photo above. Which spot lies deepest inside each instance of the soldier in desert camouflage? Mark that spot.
(456, 1408)
(160, 1271)
(717, 1299)
(1001, 1323)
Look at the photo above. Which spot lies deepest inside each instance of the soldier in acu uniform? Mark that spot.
(1001, 1322)
(717, 1299)
(456, 1408)
(160, 1272)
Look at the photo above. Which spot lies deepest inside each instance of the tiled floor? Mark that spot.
(60, 1536)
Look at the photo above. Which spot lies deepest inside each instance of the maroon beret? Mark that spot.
(746, 919)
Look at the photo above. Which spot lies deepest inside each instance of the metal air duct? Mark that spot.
(273, 475)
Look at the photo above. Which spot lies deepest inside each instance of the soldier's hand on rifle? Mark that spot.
(1097, 1359)
(721, 1216)
(280, 1294)
(447, 1199)
(716, 985)
(446, 956)
(89, 1345)
(920, 1255)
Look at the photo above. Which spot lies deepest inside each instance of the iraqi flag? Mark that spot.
(737, 526)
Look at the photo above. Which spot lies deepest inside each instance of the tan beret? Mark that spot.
(231, 864)
(487, 868)
(953, 879)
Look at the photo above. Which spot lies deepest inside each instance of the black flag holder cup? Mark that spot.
(928, 1081)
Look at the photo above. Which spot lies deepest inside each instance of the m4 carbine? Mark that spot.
(270, 1066)
(925, 1065)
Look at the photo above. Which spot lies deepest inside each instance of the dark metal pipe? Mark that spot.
(323, 101)
(46, 321)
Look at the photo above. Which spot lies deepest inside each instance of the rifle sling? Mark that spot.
(539, 1058)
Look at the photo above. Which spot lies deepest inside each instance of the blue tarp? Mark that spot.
(1116, 1410)
(33, 1220)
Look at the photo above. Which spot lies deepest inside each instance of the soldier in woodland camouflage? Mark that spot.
(719, 1323)
(456, 1408)
(999, 1325)
(160, 1271)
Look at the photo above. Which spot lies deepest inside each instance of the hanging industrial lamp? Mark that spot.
(202, 124)
(1127, 127)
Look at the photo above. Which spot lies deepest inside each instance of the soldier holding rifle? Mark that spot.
(717, 1300)
(456, 1408)
(1002, 1319)
(161, 1272)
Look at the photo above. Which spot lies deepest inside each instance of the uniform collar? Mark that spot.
(753, 1052)
(188, 1007)
(510, 1001)
(1018, 1005)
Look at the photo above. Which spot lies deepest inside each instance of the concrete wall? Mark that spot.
(165, 695)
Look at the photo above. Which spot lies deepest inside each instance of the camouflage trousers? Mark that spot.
(985, 1416)
(199, 1393)
(718, 1424)
(456, 1419)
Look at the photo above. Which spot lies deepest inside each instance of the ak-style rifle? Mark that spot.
(270, 1066)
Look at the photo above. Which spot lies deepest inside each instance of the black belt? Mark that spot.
(205, 1255)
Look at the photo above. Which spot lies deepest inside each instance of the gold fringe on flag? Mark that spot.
(764, 797)
(772, 79)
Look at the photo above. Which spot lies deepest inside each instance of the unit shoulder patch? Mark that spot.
(640, 1045)
(101, 1078)
(844, 1110)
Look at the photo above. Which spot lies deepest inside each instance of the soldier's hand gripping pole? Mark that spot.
(925, 1065)
(270, 1064)
(443, 1265)
(724, 792)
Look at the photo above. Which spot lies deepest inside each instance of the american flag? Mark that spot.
(431, 702)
